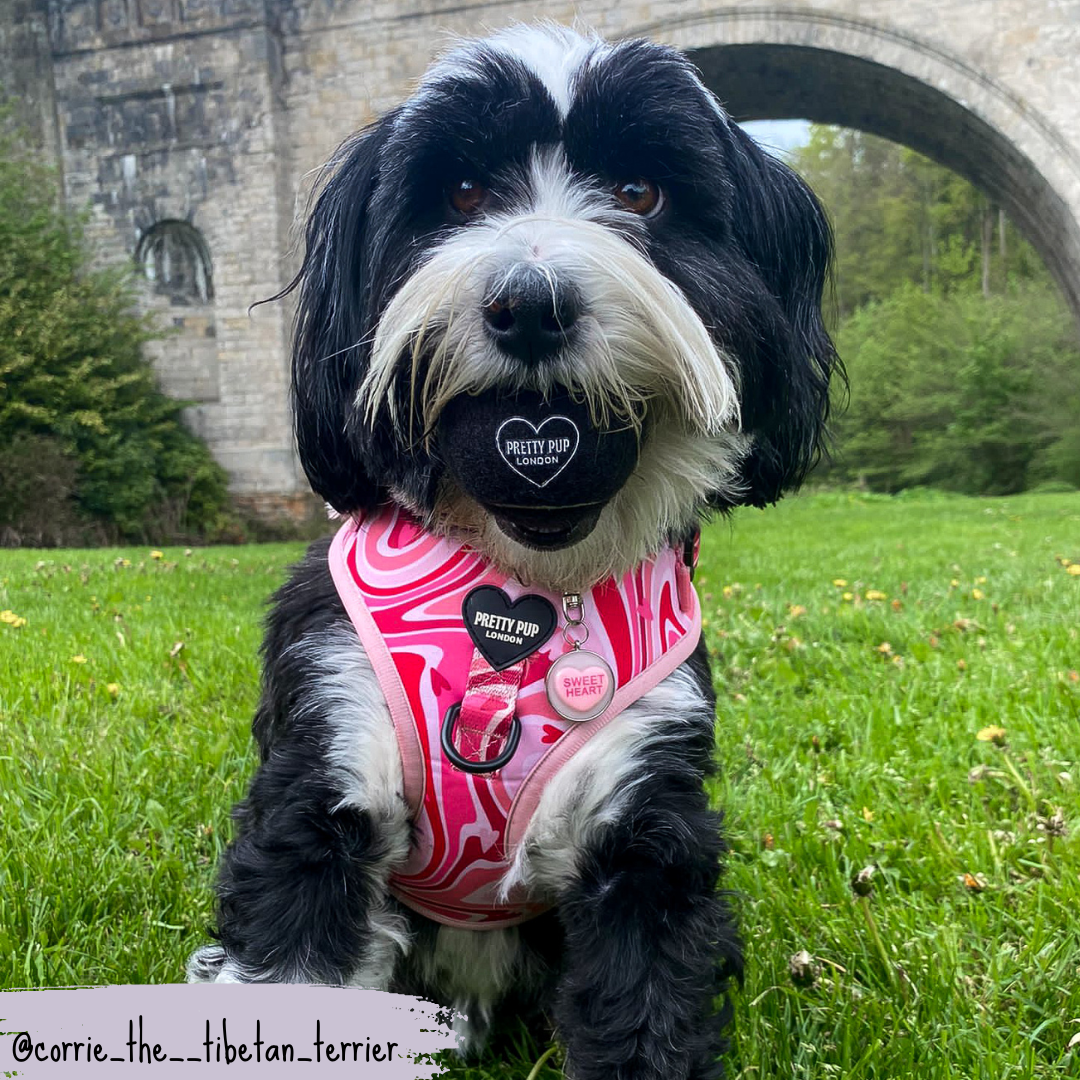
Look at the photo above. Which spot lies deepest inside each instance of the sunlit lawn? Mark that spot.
(866, 649)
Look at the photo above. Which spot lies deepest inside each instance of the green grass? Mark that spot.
(847, 729)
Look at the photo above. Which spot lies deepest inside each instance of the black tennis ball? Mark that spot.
(525, 451)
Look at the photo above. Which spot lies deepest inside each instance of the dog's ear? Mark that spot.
(783, 233)
(333, 324)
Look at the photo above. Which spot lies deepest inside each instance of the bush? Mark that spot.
(81, 416)
(964, 392)
(37, 489)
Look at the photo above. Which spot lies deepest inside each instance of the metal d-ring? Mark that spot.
(475, 767)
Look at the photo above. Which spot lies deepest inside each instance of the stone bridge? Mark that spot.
(191, 127)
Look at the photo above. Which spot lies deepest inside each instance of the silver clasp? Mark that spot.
(573, 608)
(572, 602)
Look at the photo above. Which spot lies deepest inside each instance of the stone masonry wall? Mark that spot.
(168, 111)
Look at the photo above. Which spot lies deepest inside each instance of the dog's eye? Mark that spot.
(640, 196)
(468, 197)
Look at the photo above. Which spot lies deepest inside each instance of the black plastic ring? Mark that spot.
(463, 763)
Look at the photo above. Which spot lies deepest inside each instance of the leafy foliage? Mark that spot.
(962, 357)
(960, 392)
(75, 385)
(901, 218)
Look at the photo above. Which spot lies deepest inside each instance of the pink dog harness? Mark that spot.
(404, 590)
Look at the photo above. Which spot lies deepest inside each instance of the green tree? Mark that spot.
(960, 391)
(89, 446)
(963, 360)
(900, 217)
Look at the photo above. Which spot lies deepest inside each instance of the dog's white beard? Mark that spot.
(639, 355)
(638, 338)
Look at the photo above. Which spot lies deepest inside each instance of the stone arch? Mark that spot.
(174, 257)
(780, 63)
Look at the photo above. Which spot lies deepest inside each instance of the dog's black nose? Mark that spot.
(531, 315)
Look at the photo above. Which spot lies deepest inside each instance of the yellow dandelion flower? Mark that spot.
(875, 594)
(728, 591)
(993, 733)
(980, 581)
(795, 610)
(157, 554)
(961, 665)
(867, 814)
(839, 582)
(976, 594)
(954, 583)
(1073, 569)
(848, 596)
(8, 616)
(113, 688)
(78, 658)
(885, 649)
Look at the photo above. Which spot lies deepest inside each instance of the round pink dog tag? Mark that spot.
(580, 685)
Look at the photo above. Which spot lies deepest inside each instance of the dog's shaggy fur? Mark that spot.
(684, 270)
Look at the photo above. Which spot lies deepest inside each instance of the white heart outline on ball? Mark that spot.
(536, 431)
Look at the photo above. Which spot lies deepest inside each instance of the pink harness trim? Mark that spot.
(403, 589)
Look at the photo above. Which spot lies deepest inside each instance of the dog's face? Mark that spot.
(559, 304)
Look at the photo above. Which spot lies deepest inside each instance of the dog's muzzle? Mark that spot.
(538, 465)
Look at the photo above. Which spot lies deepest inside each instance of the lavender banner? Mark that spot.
(206, 1030)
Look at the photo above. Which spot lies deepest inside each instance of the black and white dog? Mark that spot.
(548, 214)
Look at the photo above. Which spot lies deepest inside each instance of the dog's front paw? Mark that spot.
(204, 964)
(211, 964)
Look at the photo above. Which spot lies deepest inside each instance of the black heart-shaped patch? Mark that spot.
(507, 631)
(537, 453)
